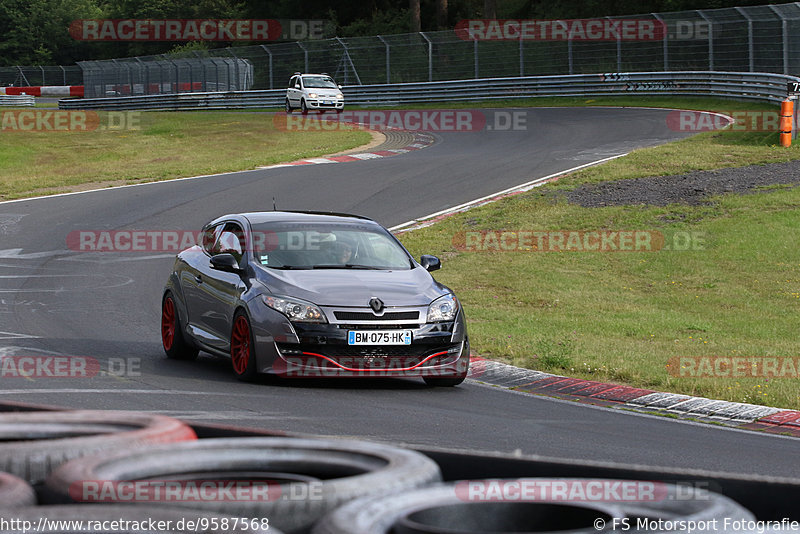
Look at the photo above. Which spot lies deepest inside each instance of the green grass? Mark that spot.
(621, 316)
(163, 146)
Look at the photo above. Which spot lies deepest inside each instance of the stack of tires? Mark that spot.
(120, 468)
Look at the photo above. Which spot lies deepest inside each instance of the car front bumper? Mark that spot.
(321, 350)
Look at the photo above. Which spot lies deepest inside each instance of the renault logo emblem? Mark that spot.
(376, 304)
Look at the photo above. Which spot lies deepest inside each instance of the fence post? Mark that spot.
(665, 40)
(388, 71)
(619, 49)
(63, 74)
(521, 57)
(747, 17)
(475, 54)
(710, 39)
(305, 56)
(784, 39)
(430, 56)
(270, 64)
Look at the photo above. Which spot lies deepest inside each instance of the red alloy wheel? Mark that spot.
(240, 345)
(168, 323)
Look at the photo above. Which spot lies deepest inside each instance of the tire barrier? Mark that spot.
(291, 481)
(534, 505)
(32, 444)
(15, 492)
(124, 519)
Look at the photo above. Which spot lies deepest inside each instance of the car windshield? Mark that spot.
(319, 82)
(327, 246)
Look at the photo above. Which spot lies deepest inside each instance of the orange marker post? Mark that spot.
(787, 111)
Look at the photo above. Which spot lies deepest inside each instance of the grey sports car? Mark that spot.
(306, 294)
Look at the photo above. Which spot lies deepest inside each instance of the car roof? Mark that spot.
(260, 217)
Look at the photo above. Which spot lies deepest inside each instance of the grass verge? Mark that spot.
(134, 147)
(728, 288)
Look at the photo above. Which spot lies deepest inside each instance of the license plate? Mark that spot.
(327, 102)
(379, 337)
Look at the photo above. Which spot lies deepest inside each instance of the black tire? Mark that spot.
(339, 111)
(288, 107)
(318, 475)
(448, 508)
(443, 382)
(303, 107)
(243, 354)
(175, 345)
(451, 381)
(15, 492)
(32, 444)
(116, 515)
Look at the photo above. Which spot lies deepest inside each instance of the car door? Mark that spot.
(214, 294)
(295, 91)
(190, 274)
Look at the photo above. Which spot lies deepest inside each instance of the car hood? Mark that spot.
(352, 287)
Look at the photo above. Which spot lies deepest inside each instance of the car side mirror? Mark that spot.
(430, 263)
(340, 87)
(225, 262)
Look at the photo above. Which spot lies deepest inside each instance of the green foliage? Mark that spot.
(35, 32)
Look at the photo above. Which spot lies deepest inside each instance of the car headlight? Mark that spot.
(340, 96)
(443, 309)
(312, 95)
(298, 311)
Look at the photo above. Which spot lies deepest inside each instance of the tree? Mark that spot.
(441, 14)
(416, 22)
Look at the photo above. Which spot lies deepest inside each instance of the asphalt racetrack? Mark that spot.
(57, 301)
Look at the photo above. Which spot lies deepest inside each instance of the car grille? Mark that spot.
(367, 316)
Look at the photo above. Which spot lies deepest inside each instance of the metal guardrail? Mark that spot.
(739, 85)
(17, 100)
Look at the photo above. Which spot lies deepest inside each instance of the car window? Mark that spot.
(319, 82)
(230, 241)
(210, 236)
(329, 246)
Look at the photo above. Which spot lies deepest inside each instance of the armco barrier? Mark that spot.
(739, 85)
(44, 90)
(17, 100)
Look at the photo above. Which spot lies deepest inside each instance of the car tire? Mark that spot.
(119, 514)
(172, 339)
(243, 355)
(443, 382)
(303, 107)
(449, 508)
(288, 107)
(32, 444)
(315, 475)
(15, 492)
(338, 111)
(451, 381)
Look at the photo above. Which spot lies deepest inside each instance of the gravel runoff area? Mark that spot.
(693, 188)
